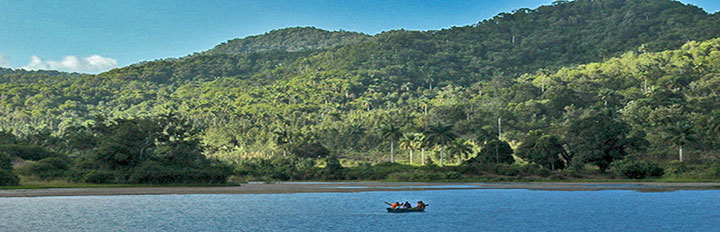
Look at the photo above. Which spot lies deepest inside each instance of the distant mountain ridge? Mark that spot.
(288, 39)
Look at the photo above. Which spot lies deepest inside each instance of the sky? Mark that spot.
(92, 36)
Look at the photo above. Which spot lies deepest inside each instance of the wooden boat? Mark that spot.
(406, 210)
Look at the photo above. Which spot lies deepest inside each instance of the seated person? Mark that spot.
(420, 205)
(407, 205)
(393, 205)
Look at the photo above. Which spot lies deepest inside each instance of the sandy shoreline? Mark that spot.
(312, 187)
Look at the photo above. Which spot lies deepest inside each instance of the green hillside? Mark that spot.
(575, 83)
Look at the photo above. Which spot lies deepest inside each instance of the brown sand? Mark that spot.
(310, 187)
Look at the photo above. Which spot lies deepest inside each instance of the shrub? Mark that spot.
(333, 170)
(7, 177)
(676, 167)
(26, 152)
(534, 170)
(506, 170)
(101, 177)
(636, 169)
(94, 176)
(475, 168)
(382, 170)
(5, 161)
(414, 175)
(451, 175)
(679, 169)
(156, 173)
(48, 168)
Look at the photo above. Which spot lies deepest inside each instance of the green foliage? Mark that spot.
(636, 169)
(480, 169)
(685, 170)
(46, 169)
(289, 39)
(333, 170)
(279, 168)
(158, 150)
(7, 137)
(597, 137)
(309, 148)
(159, 173)
(5, 161)
(7, 177)
(307, 92)
(419, 175)
(26, 152)
(546, 150)
(496, 152)
(96, 176)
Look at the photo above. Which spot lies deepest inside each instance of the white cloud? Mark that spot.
(90, 64)
(35, 64)
(4, 61)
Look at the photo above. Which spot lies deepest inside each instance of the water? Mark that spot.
(449, 210)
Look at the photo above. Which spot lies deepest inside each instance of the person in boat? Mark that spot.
(420, 205)
(407, 205)
(393, 205)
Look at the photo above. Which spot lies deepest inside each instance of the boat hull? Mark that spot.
(391, 210)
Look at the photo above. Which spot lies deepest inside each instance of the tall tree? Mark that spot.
(495, 151)
(441, 135)
(597, 137)
(460, 149)
(411, 142)
(546, 150)
(392, 133)
(681, 134)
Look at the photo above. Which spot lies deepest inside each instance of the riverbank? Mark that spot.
(310, 187)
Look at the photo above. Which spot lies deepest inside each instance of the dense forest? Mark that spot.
(629, 87)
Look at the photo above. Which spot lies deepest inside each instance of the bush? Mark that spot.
(26, 152)
(420, 175)
(45, 169)
(156, 173)
(636, 169)
(451, 175)
(95, 176)
(679, 169)
(278, 168)
(378, 171)
(5, 161)
(506, 170)
(7, 177)
(534, 170)
(333, 170)
(414, 175)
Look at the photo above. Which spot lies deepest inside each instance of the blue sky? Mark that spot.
(93, 36)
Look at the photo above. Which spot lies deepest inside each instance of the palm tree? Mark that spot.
(440, 135)
(411, 142)
(715, 125)
(681, 134)
(391, 132)
(406, 143)
(460, 148)
(282, 138)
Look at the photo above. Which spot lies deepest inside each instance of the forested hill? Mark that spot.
(336, 90)
(509, 44)
(289, 39)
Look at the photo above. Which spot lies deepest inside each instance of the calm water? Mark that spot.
(449, 210)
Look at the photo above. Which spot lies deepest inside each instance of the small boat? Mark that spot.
(404, 210)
